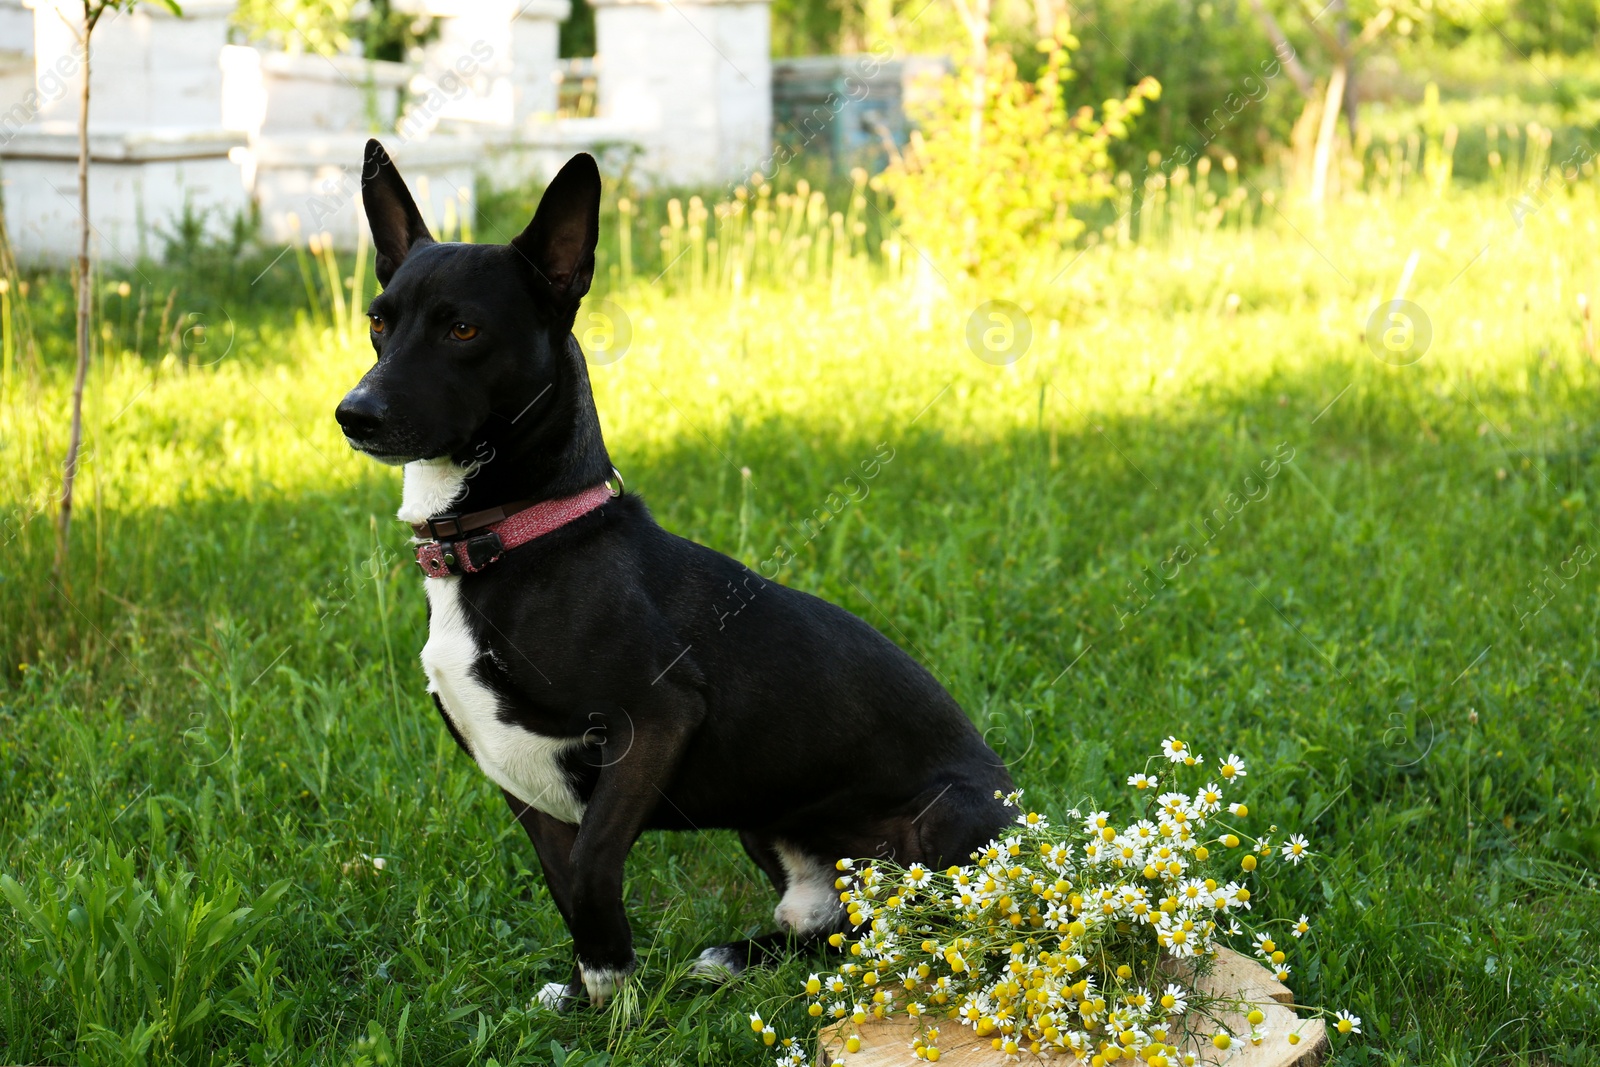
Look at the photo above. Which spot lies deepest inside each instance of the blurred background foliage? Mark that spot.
(379, 29)
(1497, 61)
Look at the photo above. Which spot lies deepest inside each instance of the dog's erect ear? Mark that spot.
(559, 242)
(397, 226)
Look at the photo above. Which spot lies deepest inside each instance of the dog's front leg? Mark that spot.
(552, 840)
(627, 792)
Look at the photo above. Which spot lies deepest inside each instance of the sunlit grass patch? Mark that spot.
(225, 688)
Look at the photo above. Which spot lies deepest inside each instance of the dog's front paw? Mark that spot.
(558, 996)
(601, 981)
(720, 963)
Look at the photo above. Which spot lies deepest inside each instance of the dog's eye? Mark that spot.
(462, 332)
(378, 325)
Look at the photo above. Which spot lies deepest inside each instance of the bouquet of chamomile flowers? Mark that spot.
(1082, 940)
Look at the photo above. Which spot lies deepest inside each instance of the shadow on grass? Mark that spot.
(1359, 623)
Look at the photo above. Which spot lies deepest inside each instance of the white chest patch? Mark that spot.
(431, 486)
(526, 764)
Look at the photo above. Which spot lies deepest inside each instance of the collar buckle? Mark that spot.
(434, 521)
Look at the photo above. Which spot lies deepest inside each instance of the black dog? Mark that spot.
(590, 671)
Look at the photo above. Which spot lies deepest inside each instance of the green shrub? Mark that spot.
(330, 27)
(977, 195)
(1200, 53)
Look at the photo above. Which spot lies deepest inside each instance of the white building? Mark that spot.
(182, 122)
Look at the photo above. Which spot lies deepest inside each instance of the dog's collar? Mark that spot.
(466, 544)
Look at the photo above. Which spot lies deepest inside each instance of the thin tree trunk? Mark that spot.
(1045, 13)
(1330, 122)
(1351, 90)
(70, 467)
(975, 20)
(1303, 141)
(1284, 50)
(1352, 97)
(978, 30)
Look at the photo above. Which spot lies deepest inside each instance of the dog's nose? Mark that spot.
(360, 414)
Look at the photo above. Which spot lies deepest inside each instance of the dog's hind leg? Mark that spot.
(722, 962)
(808, 908)
(760, 849)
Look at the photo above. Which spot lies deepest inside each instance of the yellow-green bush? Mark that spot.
(976, 191)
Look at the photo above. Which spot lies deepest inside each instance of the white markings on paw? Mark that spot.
(601, 982)
(810, 904)
(554, 996)
(719, 963)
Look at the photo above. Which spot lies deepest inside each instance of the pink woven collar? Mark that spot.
(469, 555)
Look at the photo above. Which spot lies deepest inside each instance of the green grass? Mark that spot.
(223, 709)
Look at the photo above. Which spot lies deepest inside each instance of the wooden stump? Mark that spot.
(887, 1042)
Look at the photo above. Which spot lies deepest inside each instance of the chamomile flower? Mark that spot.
(1346, 1023)
(1232, 768)
(1295, 849)
(1178, 936)
(1004, 944)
